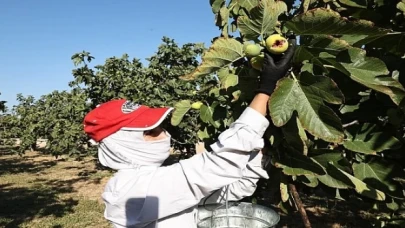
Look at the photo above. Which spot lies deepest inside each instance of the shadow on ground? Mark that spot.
(11, 163)
(323, 210)
(324, 213)
(23, 204)
(18, 165)
(24, 198)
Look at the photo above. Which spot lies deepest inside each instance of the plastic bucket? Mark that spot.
(240, 215)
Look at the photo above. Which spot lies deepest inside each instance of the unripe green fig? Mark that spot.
(252, 50)
(257, 62)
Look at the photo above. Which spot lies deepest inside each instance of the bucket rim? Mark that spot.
(216, 206)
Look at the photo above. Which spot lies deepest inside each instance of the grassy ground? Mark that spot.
(39, 191)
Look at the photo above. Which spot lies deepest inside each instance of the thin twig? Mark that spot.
(300, 206)
(350, 124)
(292, 73)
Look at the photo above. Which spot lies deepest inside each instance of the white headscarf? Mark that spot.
(129, 150)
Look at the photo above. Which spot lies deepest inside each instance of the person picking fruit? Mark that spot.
(143, 193)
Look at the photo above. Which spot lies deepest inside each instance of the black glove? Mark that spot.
(273, 69)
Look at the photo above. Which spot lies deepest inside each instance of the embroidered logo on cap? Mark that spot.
(129, 107)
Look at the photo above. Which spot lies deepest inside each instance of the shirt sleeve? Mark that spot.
(183, 185)
(242, 188)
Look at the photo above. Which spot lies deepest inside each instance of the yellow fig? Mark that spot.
(276, 44)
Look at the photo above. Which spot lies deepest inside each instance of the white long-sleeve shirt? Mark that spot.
(167, 197)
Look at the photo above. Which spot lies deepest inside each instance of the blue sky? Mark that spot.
(37, 38)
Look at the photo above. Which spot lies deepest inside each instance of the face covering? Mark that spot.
(129, 150)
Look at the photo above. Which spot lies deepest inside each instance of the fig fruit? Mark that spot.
(276, 44)
(257, 62)
(252, 50)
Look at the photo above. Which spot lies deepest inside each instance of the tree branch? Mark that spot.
(300, 206)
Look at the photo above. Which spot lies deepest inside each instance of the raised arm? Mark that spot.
(243, 187)
(182, 186)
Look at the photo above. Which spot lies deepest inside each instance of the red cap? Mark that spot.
(109, 117)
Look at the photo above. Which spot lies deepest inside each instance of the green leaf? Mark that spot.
(180, 109)
(247, 83)
(307, 97)
(295, 164)
(216, 5)
(363, 189)
(221, 53)
(379, 174)
(224, 13)
(308, 180)
(284, 188)
(319, 45)
(207, 113)
(333, 178)
(356, 62)
(355, 3)
(367, 139)
(203, 134)
(328, 22)
(222, 20)
(236, 95)
(401, 6)
(261, 20)
(227, 79)
(295, 135)
(248, 4)
(214, 92)
(325, 156)
(234, 7)
(392, 42)
(393, 206)
(305, 5)
(368, 71)
(352, 39)
(308, 67)
(234, 27)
